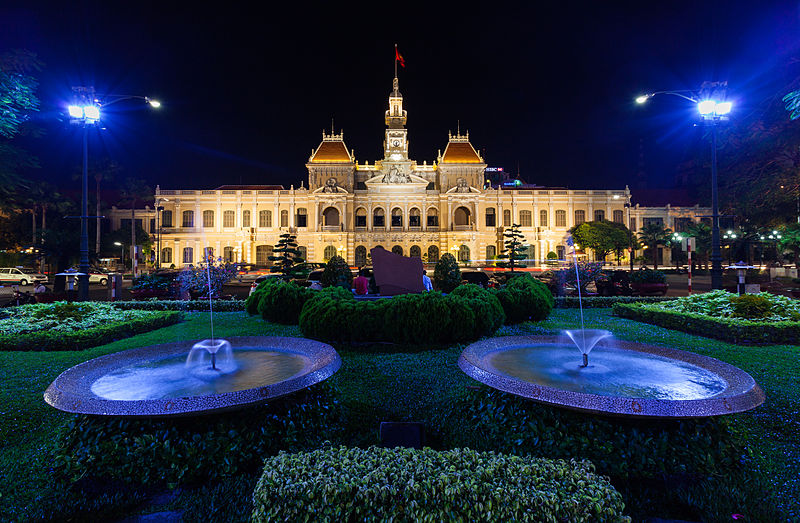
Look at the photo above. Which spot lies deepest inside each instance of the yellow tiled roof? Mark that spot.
(331, 152)
(460, 152)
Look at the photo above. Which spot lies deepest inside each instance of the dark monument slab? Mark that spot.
(396, 274)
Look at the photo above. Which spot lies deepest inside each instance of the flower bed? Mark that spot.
(748, 319)
(74, 326)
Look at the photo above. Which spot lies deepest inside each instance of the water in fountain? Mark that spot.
(219, 353)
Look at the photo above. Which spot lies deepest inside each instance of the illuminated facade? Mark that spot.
(414, 209)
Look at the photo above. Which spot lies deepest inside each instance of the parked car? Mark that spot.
(312, 278)
(98, 276)
(21, 276)
(477, 277)
(302, 270)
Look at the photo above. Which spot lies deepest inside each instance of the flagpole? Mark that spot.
(395, 60)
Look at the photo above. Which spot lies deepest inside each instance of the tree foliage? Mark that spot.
(514, 248)
(603, 237)
(446, 274)
(337, 274)
(790, 241)
(285, 255)
(652, 235)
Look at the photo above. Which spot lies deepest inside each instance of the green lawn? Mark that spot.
(392, 384)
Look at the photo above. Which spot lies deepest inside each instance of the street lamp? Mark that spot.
(713, 110)
(729, 235)
(158, 229)
(86, 112)
(121, 253)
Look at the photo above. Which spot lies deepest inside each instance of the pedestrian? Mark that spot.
(361, 283)
(426, 282)
(40, 288)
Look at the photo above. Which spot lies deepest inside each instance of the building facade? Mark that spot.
(412, 209)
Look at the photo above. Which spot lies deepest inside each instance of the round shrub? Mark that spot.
(282, 302)
(446, 274)
(195, 450)
(489, 314)
(525, 298)
(751, 306)
(337, 274)
(400, 484)
(251, 302)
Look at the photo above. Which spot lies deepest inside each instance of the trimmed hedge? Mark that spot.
(602, 302)
(525, 298)
(86, 338)
(279, 301)
(182, 305)
(376, 484)
(429, 317)
(742, 332)
(196, 450)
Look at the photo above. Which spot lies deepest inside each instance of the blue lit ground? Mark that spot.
(399, 385)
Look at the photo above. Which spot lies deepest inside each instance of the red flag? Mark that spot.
(398, 57)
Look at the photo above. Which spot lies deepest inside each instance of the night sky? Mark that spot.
(547, 88)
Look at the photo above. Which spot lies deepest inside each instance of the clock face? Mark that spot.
(396, 143)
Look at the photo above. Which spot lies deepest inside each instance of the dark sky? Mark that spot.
(247, 91)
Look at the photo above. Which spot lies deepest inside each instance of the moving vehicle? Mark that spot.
(21, 276)
(98, 276)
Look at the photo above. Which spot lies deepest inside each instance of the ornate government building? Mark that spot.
(410, 208)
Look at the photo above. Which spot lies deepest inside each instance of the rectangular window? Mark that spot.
(361, 221)
(397, 220)
(560, 250)
(632, 225)
(377, 220)
(208, 218)
(228, 219)
(188, 219)
(561, 218)
(618, 217)
(599, 215)
(525, 219)
(433, 220)
(490, 217)
(301, 218)
(265, 218)
(580, 217)
(284, 218)
(152, 224)
(166, 218)
(188, 255)
(506, 218)
(245, 218)
(648, 221)
(542, 218)
(413, 220)
(682, 224)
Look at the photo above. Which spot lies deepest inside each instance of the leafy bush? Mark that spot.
(196, 279)
(525, 298)
(181, 305)
(446, 274)
(75, 326)
(337, 274)
(376, 484)
(154, 282)
(194, 450)
(648, 276)
(281, 302)
(489, 314)
(601, 302)
(751, 306)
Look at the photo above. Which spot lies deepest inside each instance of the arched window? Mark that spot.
(461, 217)
(188, 254)
(491, 252)
(166, 255)
(227, 254)
(580, 217)
(433, 217)
(208, 218)
(599, 215)
(208, 253)
(228, 219)
(414, 219)
(166, 218)
(561, 218)
(542, 218)
(525, 219)
(490, 217)
(188, 219)
(361, 255)
(265, 218)
(415, 251)
(301, 217)
(330, 252)
(433, 254)
(463, 254)
(263, 252)
(245, 218)
(361, 218)
(506, 218)
(303, 252)
(378, 218)
(284, 218)
(618, 217)
(397, 218)
(330, 217)
(397, 250)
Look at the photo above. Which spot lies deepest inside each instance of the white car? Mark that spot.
(98, 277)
(20, 276)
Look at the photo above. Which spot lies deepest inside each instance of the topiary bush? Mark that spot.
(337, 274)
(446, 274)
(377, 484)
(281, 302)
(489, 314)
(751, 306)
(194, 450)
(525, 298)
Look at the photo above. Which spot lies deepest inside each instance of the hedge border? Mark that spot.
(740, 332)
(182, 305)
(47, 341)
(602, 302)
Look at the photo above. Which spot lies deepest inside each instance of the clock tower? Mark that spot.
(396, 144)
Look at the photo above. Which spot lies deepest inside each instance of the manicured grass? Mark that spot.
(389, 384)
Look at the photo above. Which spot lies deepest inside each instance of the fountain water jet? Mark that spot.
(586, 339)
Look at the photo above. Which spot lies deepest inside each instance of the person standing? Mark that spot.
(361, 283)
(426, 282)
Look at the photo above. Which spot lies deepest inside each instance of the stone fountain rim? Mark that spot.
(71, 390)
(742, 393)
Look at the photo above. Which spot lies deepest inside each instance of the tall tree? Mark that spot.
(514, 248)
(701, 232)
(603, 237)
(790, 241)
(285, 255)
(134, 190)
(652, 235)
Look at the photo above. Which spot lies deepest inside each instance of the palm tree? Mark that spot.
(654, 234)
(701, 233)
(134, 190)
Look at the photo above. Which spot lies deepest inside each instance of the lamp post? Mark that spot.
(121, 253)
(85, 111)
(713, 110)
(158, 229)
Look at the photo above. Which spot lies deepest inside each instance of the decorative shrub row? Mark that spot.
(83, 339)
(602, 302)
(431, 317)
(182, 305)
(194, 450)
(743, 332)
(376, 484)
(525, 298)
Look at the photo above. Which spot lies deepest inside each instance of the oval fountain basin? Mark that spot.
(629, 379)
(156, 381)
